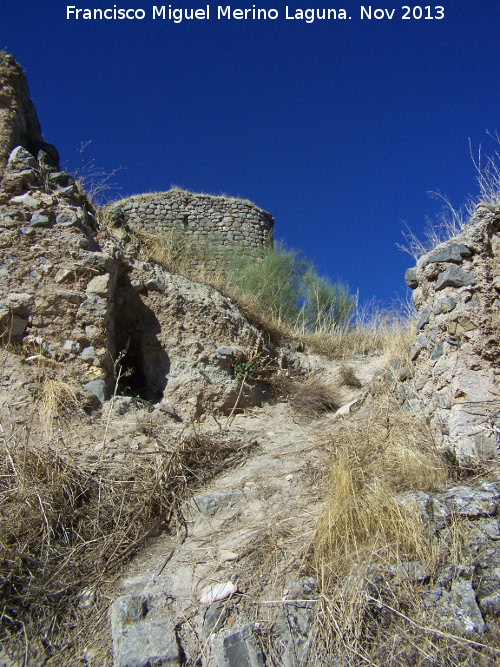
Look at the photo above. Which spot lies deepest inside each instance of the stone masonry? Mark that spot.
(222, 221)
(456, 291)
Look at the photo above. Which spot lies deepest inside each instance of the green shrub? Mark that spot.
(288, 289)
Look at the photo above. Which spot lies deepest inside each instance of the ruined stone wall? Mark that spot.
(456, 353)
(19, 124)
(221, 221)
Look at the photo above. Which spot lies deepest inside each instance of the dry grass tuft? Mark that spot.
(349, 377)
(66, 525)
(179, 252)
(312, 398)
(56, 401)
(176, 190)
(365, 616)
(372, 461)
(386, 333)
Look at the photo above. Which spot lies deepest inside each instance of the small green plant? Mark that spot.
(244, 370)
(15, 348)
(143, 401)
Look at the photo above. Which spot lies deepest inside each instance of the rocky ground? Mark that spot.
(214, 592)
(152, 470)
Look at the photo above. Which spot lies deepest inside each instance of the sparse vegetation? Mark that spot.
(349, 378)
(278, 291)
(364, 533)
(312, 398)
(56, 401)
(67, 523)
(450, 221)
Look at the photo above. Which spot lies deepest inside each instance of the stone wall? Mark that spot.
(222, 221)
(455, 355)
(19, 124)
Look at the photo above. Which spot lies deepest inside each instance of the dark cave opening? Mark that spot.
(144, 364)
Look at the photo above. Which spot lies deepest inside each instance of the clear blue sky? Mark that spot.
(339, 128)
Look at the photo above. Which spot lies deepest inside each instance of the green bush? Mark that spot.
(288, 289)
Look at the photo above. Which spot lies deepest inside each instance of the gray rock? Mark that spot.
(97, 388)
(155, 286)
(39, 220)
(438, 351)
(169, 409)
(419, 344)
(71, 346)
(61, 178)
(67, 219)
(457, 610)
(294, 622)
(208, 504)
(469, 614)
(27, 231)
(431, 510)
(424, 317)
(99, 261)
(490, 605)
(19, 182)
(238, 649)
(468, 502)
(410, 571)
(453, 252)
(66, 192)
(442, 399)
(142, 638)
(453, 276)
(411, 278)
(214, 619)
(26, 200)
(17, 327)
(96, 305)
(138, 285)
(20, 159)
(444, 305)
(225, 352)
(46, 161)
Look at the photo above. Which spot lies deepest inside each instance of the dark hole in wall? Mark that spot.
(144, 363)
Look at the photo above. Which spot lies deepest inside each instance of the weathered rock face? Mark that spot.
(19, 124)
(455, 355)
(181, 340)
(85, 306)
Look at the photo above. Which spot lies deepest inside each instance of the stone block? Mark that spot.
(238, 649)
(139, 638)
(453, 276)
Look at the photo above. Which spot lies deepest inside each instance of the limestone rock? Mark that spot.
(238, 649)
(142, 638)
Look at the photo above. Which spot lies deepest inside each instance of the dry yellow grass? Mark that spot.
(56, 401)
(388, 334)
(176, 191)
(312, 398)
(372, 461)
(365, 617)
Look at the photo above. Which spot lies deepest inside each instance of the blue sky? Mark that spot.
(338, 128)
